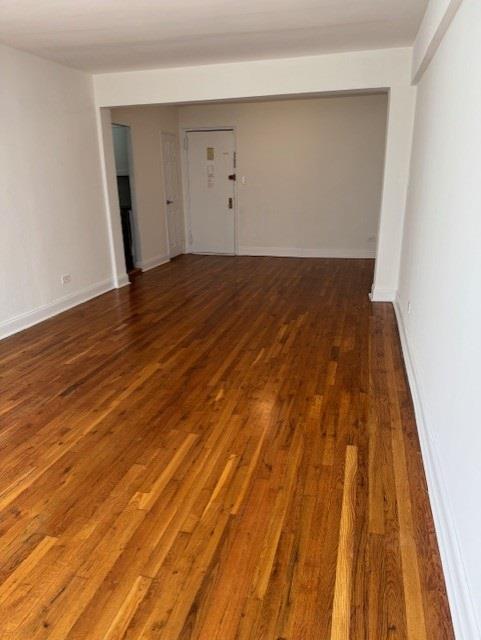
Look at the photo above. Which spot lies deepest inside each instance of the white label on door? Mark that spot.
(210, 175)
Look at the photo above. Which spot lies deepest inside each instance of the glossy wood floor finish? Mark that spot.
(225, 450)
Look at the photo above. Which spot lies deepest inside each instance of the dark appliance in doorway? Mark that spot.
(125, 201)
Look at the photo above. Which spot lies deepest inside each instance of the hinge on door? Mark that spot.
(186, 142)
(231, 203)
(235, 159)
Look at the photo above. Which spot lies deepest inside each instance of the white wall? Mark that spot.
(441, 280)
(356, 70)
(111, 197)
(313, 171)
(402, 102)
(51, 199)
(49, 115)
(146, 124)
(341, 72)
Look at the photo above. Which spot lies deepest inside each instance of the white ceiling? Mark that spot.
(113, 35)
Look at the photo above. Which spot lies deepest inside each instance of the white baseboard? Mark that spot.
(123, 281)
(151, 263)
(29, 318)
(382, 295)
(466, 625)
(295, 252)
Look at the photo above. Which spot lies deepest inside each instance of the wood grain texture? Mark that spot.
(341, 611)
(224, 450)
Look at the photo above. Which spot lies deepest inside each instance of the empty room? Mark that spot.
(239, 320)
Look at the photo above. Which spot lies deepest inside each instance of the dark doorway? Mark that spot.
(125, 201)
(123, 165)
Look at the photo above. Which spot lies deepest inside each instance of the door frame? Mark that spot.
(186, 186)
(135, 220)
(182, 195)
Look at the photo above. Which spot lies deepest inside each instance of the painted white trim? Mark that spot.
(29, 318)
(295, 252)
(382, 295)
(111, 196)
(437, 20)
(180, 174)
(162, 177)
(134, 211)
(397, 163)
(466, 626)
(151, 263)
(344, 71)
(122, 281)
(102, 117)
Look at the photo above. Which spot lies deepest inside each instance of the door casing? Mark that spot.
(134, 217)
(181, 196)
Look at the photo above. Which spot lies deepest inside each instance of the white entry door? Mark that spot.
(173, 195)
(211, 168)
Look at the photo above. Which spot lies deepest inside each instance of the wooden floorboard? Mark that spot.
(224, 450)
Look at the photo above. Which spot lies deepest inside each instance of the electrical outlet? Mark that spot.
(66, 279)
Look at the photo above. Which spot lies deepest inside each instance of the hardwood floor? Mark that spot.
(224, 450)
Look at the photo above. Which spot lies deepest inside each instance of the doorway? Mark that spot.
(211, 188)
(123, 166)
(173, 194)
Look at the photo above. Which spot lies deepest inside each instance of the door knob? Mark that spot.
(169, 202)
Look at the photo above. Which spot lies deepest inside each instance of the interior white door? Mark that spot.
(173, 195)
(211, 160)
